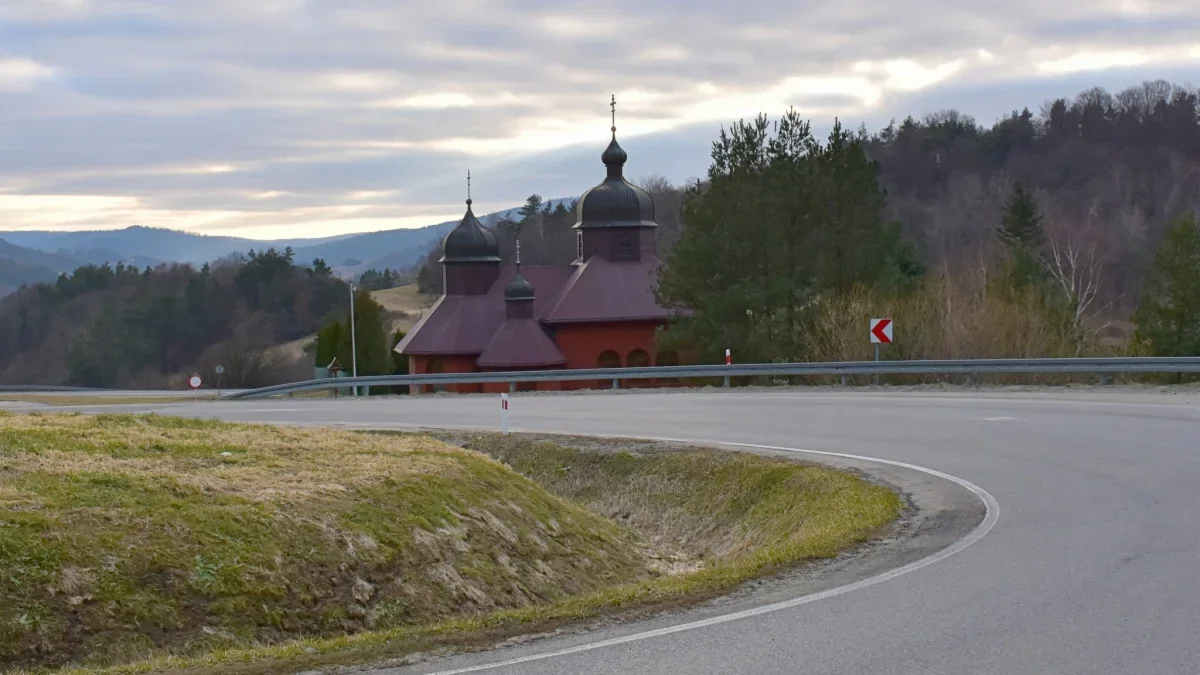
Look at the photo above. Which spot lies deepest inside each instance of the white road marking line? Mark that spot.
(989, 521)
(998, 419)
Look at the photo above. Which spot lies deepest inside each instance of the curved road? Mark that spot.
(1093, 566)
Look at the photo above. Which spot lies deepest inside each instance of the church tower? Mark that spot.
(615, 219)
(471, 260)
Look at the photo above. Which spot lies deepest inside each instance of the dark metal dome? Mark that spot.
(470, 241)
(519, 288)
(616, 202)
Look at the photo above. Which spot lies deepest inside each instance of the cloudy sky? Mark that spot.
(287, 118)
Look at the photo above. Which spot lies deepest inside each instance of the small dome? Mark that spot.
(519, 288)
(614, 155)
(616, 202)
(470, 241)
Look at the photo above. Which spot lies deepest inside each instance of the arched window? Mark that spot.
(609, 359)
(637, 358)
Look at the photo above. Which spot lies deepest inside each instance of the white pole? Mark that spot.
(728, 362)
(353, 341)
(504, 413)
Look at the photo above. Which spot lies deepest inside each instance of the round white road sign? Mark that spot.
(194, 383)
(220, 370)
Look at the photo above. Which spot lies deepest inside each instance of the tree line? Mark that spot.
(120, 326)
(791, 245)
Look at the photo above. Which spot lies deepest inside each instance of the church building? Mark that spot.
(597, 312)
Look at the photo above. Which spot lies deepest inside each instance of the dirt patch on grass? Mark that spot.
(125, 538)
(702, 510)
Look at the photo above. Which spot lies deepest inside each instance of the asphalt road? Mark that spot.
(1092, 567)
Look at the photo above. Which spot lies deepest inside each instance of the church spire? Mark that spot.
(614, 156)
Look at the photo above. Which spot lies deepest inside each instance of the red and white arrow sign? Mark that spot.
(881, 331)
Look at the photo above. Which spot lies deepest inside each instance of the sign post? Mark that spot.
(353, 341)
(881, 333)
(504, 414)
(334, 368)
(220, 372)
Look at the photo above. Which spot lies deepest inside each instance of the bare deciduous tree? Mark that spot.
(1078, 273)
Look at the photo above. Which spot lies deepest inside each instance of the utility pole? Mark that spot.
(353, 341)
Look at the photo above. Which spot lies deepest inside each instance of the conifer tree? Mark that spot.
(1021, 226)
(1022, 232)
(1168, 318)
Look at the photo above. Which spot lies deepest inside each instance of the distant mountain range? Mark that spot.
(34, 256)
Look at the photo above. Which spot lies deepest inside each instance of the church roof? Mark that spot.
(603, 290)
(465, 324)
(521, 343)
(470, 241)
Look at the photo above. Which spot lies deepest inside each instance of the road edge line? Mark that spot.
(991, 517)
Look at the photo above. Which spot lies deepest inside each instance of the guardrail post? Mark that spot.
(726, 383)
(1104, 379)
(845, 380)
(512, 386)
(616, 383)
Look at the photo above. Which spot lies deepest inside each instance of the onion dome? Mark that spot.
(519, 288)
(470, 241)
(616, 202)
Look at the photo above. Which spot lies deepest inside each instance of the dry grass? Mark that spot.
(402, 299)
(76, 400)
(426, 546)
(949, 318)
(126, 538)
(404, 306)
(704, 509)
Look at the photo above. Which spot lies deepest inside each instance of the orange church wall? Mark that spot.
(582, 345)
(443, 364)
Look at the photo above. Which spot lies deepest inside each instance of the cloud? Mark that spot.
(20, 74)
(306, 117)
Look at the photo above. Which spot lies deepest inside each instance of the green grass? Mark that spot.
(124, 538)
(251, 537)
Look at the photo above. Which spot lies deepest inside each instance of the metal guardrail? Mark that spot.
(1101, 366)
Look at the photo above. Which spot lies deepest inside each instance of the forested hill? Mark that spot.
(1107, 170)
(123, 327)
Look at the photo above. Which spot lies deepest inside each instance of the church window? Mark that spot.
(637, 358)
(609, 359)
(579, 245)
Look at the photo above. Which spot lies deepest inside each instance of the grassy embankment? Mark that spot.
(81, 400)
(133, 544)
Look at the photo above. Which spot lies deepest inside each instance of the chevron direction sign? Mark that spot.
(881, 331)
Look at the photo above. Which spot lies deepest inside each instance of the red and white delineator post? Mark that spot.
(504, 413)
(728, 362)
